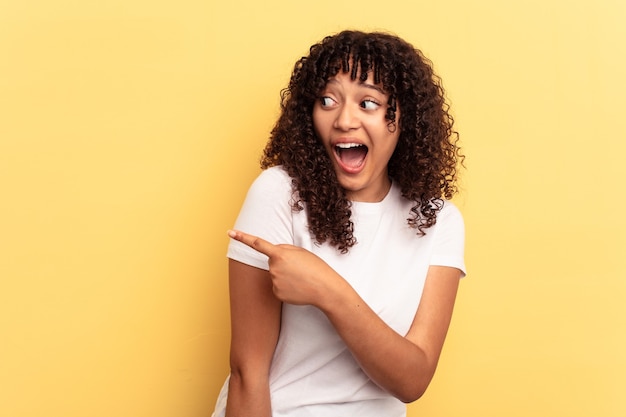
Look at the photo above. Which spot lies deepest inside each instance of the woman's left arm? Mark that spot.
(402, 365)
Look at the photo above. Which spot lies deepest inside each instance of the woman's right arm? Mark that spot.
(255, 325)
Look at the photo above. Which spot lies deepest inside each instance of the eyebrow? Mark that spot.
(373, 87)
(364, 84)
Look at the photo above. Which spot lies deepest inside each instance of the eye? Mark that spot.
(369, 104)
(326, 101)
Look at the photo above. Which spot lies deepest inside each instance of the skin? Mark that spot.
(255, 324)
(347, 112)
(353, 112)
(402, 365)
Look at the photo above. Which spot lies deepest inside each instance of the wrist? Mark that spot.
(337, 296)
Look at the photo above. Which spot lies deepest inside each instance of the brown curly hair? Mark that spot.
(424, 163)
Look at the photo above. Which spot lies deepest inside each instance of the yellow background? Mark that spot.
(131, 129)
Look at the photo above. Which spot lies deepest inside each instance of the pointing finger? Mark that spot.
(254, 242)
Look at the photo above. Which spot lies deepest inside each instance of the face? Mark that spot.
(349, 119)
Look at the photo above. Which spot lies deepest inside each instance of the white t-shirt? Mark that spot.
(313, 373)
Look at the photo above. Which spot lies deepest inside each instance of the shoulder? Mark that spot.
(450, 212)
(269, 201)
(271, 186)
(266, 212)
(449, 238)
(449, 221)
(272, 179)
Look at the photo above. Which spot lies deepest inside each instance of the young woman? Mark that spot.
(347, 254)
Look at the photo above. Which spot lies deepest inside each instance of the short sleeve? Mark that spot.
(266, 213)
(449, 239)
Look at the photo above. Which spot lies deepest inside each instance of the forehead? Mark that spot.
(368, 83)
(364, 69)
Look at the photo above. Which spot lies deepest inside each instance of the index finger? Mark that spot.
(255, 242)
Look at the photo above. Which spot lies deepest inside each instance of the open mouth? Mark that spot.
(351, 155)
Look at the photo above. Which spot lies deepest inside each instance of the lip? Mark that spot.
(343, 167)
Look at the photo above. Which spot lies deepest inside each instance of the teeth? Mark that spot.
(348, 145)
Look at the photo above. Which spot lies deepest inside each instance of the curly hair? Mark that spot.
(424, 163)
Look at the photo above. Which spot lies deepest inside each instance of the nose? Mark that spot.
(347, 118)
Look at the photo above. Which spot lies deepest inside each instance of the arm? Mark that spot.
(402, 365)
(255, 325)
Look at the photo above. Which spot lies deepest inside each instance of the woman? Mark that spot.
(347, 256)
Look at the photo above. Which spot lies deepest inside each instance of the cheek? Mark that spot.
(321, 124)
(392, 140)
(391, 132)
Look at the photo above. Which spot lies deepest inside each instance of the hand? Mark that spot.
(298, 276)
